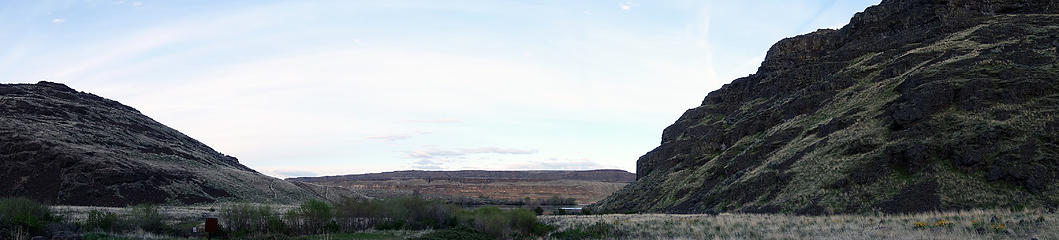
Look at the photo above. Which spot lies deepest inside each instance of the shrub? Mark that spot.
(103, 221)
(390, 225)
(412, 213)
(244, 219)
(500, 223)
(311, 217)
(25, 214)
(147, 217)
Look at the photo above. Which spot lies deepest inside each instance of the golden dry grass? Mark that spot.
(973, 224)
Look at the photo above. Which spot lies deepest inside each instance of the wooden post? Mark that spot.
(211, 227)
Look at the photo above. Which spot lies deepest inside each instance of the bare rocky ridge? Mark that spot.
(61, 146)
(915, 105)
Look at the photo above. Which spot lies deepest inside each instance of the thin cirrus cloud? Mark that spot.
(440, 120)
(426, 164)
(555, 164)
(397, 137)
(390, 138)
(436, 153)
(294, 173)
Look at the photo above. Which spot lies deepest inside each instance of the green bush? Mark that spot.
(311, 217)
(501, 223)
(26, 214)
(148, 218)
(103, 221)
(414, 213)
(245, 219)
(390, 225)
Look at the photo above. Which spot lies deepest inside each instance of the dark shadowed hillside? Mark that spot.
(61, 146)
(915, 105)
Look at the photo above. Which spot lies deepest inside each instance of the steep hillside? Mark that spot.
(61, 146)
(915, 105)
(470, 186)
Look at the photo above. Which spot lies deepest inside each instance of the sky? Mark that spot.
(310, 88)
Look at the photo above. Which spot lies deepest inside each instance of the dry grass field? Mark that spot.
(975, 224)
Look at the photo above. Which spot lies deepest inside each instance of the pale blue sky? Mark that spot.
(302, 88)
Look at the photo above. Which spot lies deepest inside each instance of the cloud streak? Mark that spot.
(436, 153)
(285, 173)
(390, 138)
(440, 120)
(397, 137)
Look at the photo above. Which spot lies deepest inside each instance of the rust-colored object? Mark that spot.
(211, 225)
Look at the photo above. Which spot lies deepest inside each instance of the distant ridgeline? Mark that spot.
(473, 187)
(915, 105)
(603, 175)
(61, 146)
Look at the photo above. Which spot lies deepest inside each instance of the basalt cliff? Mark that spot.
(915, 105)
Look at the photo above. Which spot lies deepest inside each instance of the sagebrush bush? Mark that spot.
(25, 214)
(101, 221)
(148, 218)
(314, 214)
(245, 219)
(351, 215)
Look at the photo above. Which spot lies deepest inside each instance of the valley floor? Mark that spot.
(974, 224)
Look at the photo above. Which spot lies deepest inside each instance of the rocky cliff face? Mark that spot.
(915, 105)
(61, 146)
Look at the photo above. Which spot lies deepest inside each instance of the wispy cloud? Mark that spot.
(626, 6)
(426, 164)
(138, 4)
(440, 120)
(397, 137)
(435, 153)
(293, 173)
(557, 164)
(390, 138)
(58, 20)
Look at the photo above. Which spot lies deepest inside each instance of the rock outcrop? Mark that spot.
(915, 105)
(61, 146)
